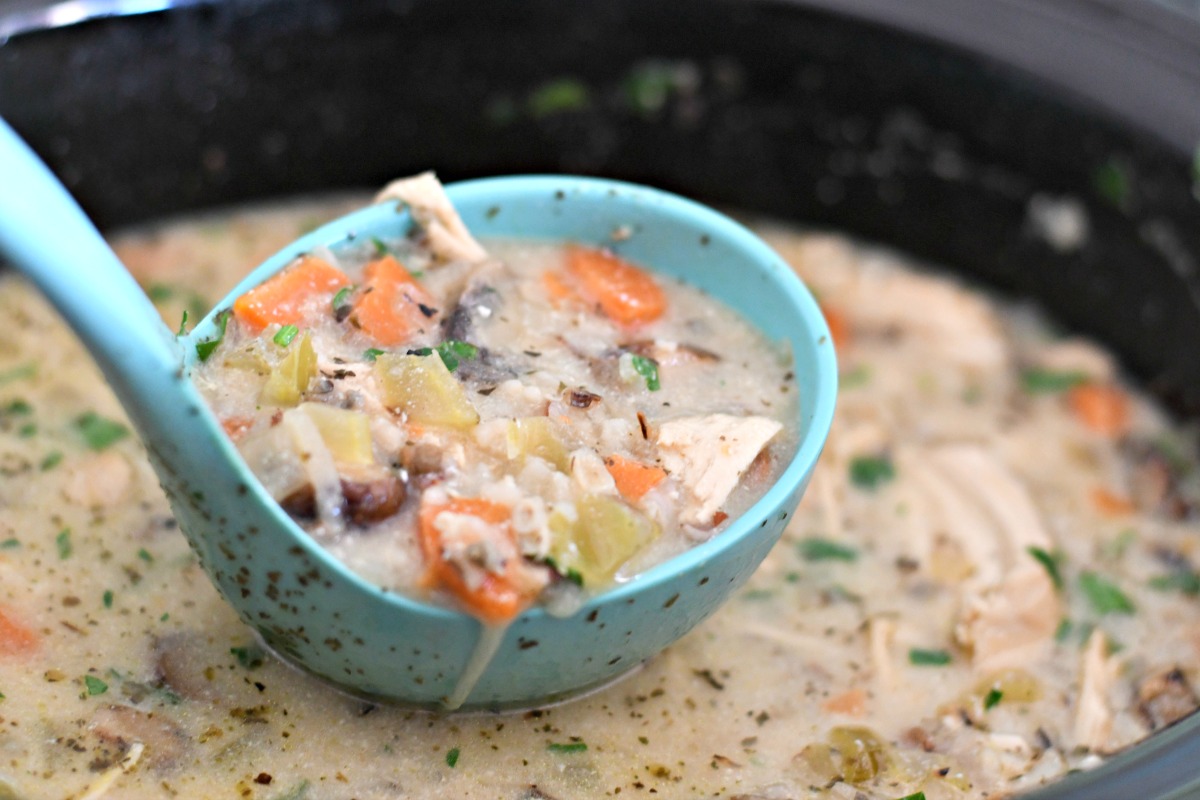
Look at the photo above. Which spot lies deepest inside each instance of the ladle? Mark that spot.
(306, 605)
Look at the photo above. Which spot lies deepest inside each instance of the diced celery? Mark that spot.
(606, 534)
(422, 388)
(864, 754)
(248, 356)
(536, 436)
(346, 433)
(290, 377)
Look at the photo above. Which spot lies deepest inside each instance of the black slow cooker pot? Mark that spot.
(956, 130)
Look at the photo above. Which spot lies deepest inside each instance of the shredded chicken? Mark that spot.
(1094, 716)
(431, 208)
(708, 455)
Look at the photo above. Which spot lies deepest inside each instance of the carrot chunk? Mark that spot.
(1111, 504)
(633, 478)
(1103, 408)
(626, 294)
(852, 703)
(498, 597)
(281, 299)
(15, 637)
(839, 326)
(392, 306)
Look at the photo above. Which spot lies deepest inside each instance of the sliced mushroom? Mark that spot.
(120, 727)
(1165, 697)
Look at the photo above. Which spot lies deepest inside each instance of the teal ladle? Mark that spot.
(306, 605)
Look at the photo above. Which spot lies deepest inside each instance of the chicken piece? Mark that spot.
(1010, 608)
(708, 455)
(1093, 715)
(449, 238)
(99, 480)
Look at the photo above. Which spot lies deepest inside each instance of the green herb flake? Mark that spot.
(1104, 595)
(182, 324)
(373, 353)
(914, 796)
(451, 352)
(94, 685)
(992, 699)
(166, 616)
(1037, 380)
(853, 379)
(1180, 581)
(108, 598)
(159, 292)
(208, 346)
(1050, 562)
(98, 432)
(251, 656)
(18, 408)
(144, 555)
(9, 544)
(567, 747)
(1, 695)
(63, 542)
(18, 373)
(817, 549)
(343, 295)
(452, 757)
(648, 85)
(381, 249)
(1116, 548)
(1111, 181)
(929, 658)
(27, 431)
(1063, 631)
(297, 792)
(869, 472)
(648, 369)
(52, 460)
(558, 97)
(283, 337)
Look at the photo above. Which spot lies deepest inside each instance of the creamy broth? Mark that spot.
(884, 648)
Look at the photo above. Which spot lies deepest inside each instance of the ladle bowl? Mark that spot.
(306, 605)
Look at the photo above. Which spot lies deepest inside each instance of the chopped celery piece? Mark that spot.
(536, 436)
(248, 356)
(346, 433)
(606, 534)
(424, 390)
(291, 376)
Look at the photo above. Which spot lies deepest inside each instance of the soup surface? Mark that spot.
(990, 582)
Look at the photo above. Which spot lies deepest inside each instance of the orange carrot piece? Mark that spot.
(1103, 408)
(556, 288)
(839, 327)
(633, 478)
(1111, 504)
(389, 307)
(15, 637)
(626, 294)
(498, 598)
(236, 427)
(852, 703)
(280, 300)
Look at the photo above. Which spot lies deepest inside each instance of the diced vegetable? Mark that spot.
(391, 306)
(839, 326)
(207, 347)
(648, 369)
(1038, 380)
(606, 534)
(1049, 562)
(346, 433)
(537, 436)
(281, 299)
(290, 377)
(283, 337)
(98, 432)
(424, 390)
(496, 597)
(1102, 408)
(864, 755)
(929, 658)
(625, 294)
(817, 549)
(869, 472)
(1111, 504)
(1104, 595)
(16, 638)
(633, 478)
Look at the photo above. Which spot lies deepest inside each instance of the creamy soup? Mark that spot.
(493, 426)
(990, 582)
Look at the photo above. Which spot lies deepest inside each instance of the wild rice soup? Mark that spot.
(990, 582)
(493, 426)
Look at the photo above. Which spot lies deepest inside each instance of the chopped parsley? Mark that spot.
(825, 550)
(914, 796)
(166, 616)
(52, 460)
(1184, 581)
(251, 656)
(1037, 380)
(1050, 562)
(859, 376)
(341, 303)
(992, 699)
(18, 408)
(9, 544)
(929, 658)
(1063, 631)
(98, 432)
(108, 598)
(1111, 181)
(283, 337)
(18, 373)
(1104, 595)
(648, 369)
(94, 685)
(451, 352)
(27, 430)
(869, 472)
(372, 353)
(182, 324)
(381, 249)
(558, 96)
(144, 555)
(63, 542)
(452, 757)
(208, 346)
(567, 747)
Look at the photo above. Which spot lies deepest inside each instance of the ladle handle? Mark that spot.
(48, 237)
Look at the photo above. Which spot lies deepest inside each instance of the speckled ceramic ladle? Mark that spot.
(309, 607)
